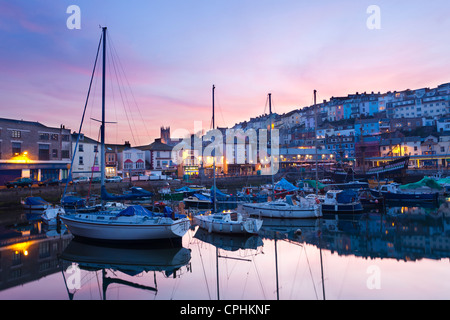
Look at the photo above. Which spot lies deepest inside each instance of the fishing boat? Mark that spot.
(341, 201)
(135, 223)
(394, 192)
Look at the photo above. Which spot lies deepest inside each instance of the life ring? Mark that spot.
(317, 200)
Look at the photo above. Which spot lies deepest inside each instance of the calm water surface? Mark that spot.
(402, 253)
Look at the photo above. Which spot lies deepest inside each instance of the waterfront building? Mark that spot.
(33, 150)
(158, 156)
(132, 162)
(86, 162)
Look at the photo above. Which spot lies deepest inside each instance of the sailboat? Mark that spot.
(231, 221)
(134, 223)
(291, 207)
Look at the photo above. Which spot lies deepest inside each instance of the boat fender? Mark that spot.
(298, 232)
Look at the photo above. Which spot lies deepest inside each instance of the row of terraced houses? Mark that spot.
(384, 125)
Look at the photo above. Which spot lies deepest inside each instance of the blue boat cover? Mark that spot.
(283, 184)
(73, 201)
(136, 193)
(136, 210)
(347, 196)
(185, 189)
(218, 192)
(202, 197)
(32, 201)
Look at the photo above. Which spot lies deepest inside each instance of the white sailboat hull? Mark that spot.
(126, 231)
(269, 210)
(250, 226)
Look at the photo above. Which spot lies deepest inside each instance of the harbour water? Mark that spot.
(400, 253)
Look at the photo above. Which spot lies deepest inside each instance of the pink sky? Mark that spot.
(173, 53)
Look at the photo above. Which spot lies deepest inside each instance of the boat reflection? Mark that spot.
(229, 242)
(130, 261)
(403, 233)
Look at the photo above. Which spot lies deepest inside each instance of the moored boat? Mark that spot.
(35, 203)
(289, 208)
(394, 191)
(229, 222)
(341, 201)
(199, 201)
(134, 223)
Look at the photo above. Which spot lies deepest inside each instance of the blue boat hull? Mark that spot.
(407, 196)
(342, 208)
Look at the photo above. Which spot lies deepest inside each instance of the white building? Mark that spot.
(132, 162)
(87, 157)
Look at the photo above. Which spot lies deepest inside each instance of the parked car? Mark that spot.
(114, 179)
(96, 180)
(80, 180)
(49, 182)
(20, 182)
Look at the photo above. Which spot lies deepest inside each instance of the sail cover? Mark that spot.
(136, 210)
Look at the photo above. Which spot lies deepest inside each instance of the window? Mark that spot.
(16, 134)
(54, 137)
(128, 165)
(65, 154)
(80, 160)
(140, 165)
(80, 148)
(44, 136)
(44, 152)
(127, 155)
(16, 148)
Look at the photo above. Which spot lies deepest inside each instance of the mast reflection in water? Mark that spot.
(336, 257)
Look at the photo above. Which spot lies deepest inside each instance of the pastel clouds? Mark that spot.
(172, 52)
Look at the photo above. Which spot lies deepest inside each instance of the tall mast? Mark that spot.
(102, 128)
(214, 158)
(271, 155)
(315, 139)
